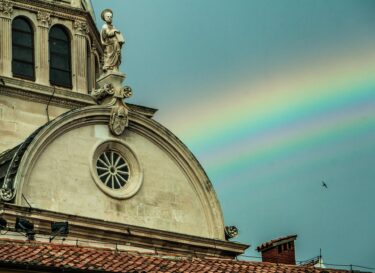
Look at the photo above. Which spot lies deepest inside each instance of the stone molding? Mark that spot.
(58, 97)
(140, 124)
(44, 94)
(100, 231)
(6, 8)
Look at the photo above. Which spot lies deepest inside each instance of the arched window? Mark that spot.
(22, 49)
(59, 57)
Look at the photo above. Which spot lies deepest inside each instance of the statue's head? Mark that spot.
(107, 16)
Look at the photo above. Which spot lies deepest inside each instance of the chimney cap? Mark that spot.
(276, 242)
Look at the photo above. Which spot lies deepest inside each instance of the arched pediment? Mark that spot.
(56, 173)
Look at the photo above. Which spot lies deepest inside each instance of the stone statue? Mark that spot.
(112, 41)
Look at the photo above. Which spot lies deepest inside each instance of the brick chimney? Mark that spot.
(280, 250)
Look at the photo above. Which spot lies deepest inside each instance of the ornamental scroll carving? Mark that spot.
(230, 232)
(6, 194)
(81, 27)
(6, 8)
(114, 94)
(44, 18)
(101, 93)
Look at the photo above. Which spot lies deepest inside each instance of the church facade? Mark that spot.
(73, 151)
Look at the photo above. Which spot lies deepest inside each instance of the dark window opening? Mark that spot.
(285, 246)
(59, 57)
(22, 49)
(279, 248)
(290, 246)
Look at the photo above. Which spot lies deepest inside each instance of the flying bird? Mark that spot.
(324, 185)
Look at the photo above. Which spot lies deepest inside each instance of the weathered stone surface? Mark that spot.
(166, 201)
(19, 118)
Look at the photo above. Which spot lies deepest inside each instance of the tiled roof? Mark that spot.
(273, 242)
(68, 257)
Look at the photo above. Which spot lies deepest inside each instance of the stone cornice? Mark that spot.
(58, 97)
(101, 231)
(44, 94)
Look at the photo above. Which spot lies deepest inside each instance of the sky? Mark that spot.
(272, 97)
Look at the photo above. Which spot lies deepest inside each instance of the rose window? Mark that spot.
(112, 169)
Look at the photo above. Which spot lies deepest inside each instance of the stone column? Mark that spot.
(6, 10)
(80, 56)
(42, 48)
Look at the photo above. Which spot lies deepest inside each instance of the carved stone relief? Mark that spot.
(6, 194)
(81, 27)
(44, 18)
(119, 120)
(231, 232)
(6, 8)
(101, 93)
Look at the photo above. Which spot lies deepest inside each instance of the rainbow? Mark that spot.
(323, 104)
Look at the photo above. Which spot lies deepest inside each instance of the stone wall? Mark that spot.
(61, 181)
(19, 118)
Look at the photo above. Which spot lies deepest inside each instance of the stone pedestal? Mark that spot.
(115, 78)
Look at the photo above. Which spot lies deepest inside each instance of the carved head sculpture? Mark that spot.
(107, 16)
(118, 120)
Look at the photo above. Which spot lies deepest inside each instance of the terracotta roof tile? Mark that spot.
(30, 254)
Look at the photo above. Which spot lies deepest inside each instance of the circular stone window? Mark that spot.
(115, 169)
(112, 169)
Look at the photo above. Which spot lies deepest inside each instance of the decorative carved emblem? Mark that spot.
(119, 115)
(44, 18)
(230, 232)
(101, 93)
(6, 8)
(6, 194)
(81, 27)
(119, 120)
